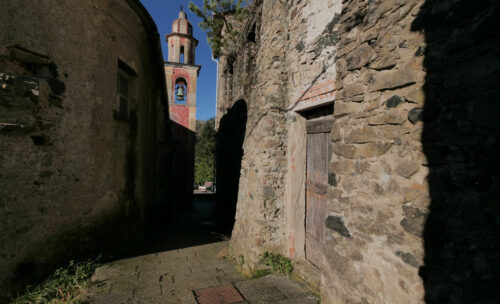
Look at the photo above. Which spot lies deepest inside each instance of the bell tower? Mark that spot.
(181, 73)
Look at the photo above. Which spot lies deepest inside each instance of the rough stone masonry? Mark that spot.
(78, 158)
(412, 211)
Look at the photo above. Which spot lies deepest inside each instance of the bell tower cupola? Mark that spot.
(181, 43)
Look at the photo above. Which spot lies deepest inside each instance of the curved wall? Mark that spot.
(73, 172)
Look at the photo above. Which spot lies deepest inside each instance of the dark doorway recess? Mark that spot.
(461, 142)
(229, 152)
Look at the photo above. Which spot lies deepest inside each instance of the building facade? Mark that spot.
(366, 154)
(83, 127)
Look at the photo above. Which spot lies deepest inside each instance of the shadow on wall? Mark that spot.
(113, 235)
(229, 152)
(182, 158)
(461, 142)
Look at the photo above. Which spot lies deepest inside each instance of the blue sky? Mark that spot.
(164, 12)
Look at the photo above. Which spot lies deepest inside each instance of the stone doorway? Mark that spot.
(318, 155)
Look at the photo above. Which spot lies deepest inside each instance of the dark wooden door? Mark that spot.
(318, 157)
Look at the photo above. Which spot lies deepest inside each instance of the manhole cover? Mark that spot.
(225, 294)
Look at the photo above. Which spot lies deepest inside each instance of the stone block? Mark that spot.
(384, 62)
(417, 96)
(336, 223)
(391, 131)
(359, 57)
(415, 115)
(388, 118)
(344, 150)
(394, 101)
(407, 168)
(353, 89)
(343, 166)
(335, 135)
(341, 65)
(343, 108)
(367, 76)
(392, 79)
(361, 136)
(414, 220)
(414, 192)
(408, 258)
(271, 143)
(354, 151)
(358, 98)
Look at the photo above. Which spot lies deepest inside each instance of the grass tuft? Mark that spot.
(278, 263)
(66, 285)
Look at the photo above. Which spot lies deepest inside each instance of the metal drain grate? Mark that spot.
(225, 294)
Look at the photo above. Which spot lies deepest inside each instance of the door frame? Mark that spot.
(295, 200)
(320, 125)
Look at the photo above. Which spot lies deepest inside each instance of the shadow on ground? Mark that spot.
(186, 229)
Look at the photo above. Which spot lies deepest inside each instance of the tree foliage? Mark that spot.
(215, 17)
(205, 152)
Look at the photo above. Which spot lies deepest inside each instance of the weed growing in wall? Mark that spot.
(240, 260)
(278, 263)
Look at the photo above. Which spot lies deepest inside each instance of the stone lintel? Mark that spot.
(309, 105)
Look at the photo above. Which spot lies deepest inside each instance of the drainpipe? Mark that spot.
(216, 102)
(216, 87)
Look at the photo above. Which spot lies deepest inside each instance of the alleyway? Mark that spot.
(186, 261)
(176, 276)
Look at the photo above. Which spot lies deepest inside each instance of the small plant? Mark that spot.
(278, 263)
(66, 285)
(240, 260)
(215, 16)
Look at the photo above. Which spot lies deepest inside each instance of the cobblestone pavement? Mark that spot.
(174, 277)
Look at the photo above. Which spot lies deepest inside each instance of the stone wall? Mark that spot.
(412, 212)
(73, 172)
(381, 194)
(252, 77)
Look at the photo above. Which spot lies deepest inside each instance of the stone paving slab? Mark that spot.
(173, 276)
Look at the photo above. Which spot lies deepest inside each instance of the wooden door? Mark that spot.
(318, 157)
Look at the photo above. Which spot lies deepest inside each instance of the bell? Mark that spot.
(180, 93)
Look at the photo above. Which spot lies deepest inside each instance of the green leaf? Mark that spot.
(214, 19)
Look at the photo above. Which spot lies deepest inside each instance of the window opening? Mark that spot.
(123, 90)
(123, 95)
(182, 55)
